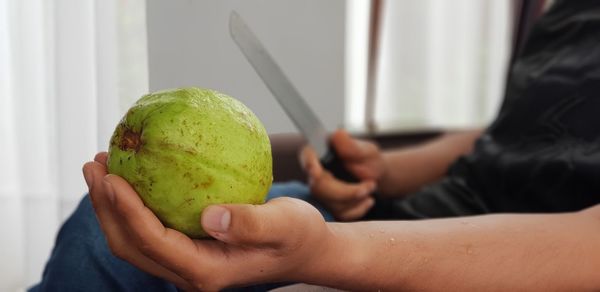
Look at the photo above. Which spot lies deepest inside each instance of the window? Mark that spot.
(439, 64)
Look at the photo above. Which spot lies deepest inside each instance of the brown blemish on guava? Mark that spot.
(167, 145)
(207, 183)
(189, 151)
(130, 141)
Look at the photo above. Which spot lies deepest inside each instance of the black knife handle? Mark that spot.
(335, 165)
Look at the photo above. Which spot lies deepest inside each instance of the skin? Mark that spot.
(288, 240)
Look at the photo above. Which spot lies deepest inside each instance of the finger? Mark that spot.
(350, 149)
(256, 225)
(310, 162)
(331, 189)
(116, 236)
(172, 249)
(94, 172)
(101, 203)
(365, 170)
(101, 157)
(357, 211)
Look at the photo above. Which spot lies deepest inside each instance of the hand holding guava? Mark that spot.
(281, 240)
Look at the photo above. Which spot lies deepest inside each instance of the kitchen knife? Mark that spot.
(288, 96)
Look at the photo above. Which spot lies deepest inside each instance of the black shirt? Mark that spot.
(542, 153)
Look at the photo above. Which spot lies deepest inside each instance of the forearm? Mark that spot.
(499, 252)
(408, 169)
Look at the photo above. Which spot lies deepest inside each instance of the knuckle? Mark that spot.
(341, 195)
(143, 235)
(344, 195)
(297, 210)
(254, 227)
(198, 285)
(343, 216)
(250, 225)
(207, 284)
(368, 142)
(347, 215)
(317, 185)
(369, 148)
(116, 248)
(317, 190)
(285, 200)
(146, 248)
(374, 146)
(337, 213)
(146, 243)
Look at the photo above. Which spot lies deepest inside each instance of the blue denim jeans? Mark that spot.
(82, 261)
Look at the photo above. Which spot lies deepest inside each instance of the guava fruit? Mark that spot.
(184, 149)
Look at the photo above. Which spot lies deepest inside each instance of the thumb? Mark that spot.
(310, 163)
(350, 149)
(254, 225)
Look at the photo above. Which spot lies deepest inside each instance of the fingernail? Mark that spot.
(216, 218)
(373, 188)
(110, 192)
(89, 177)
(371, 202)
(363, 193)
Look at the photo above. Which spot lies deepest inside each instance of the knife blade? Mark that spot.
(287, 95)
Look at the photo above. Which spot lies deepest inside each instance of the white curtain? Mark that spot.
(63, 66)
(441, 63)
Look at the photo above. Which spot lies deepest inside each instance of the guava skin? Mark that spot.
(187, 148)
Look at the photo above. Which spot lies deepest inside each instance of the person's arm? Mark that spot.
(288, 240)
(409, 169)
(493, 252)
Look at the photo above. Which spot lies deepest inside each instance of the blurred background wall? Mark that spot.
(189, 45)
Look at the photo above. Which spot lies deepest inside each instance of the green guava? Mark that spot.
(187, 148)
